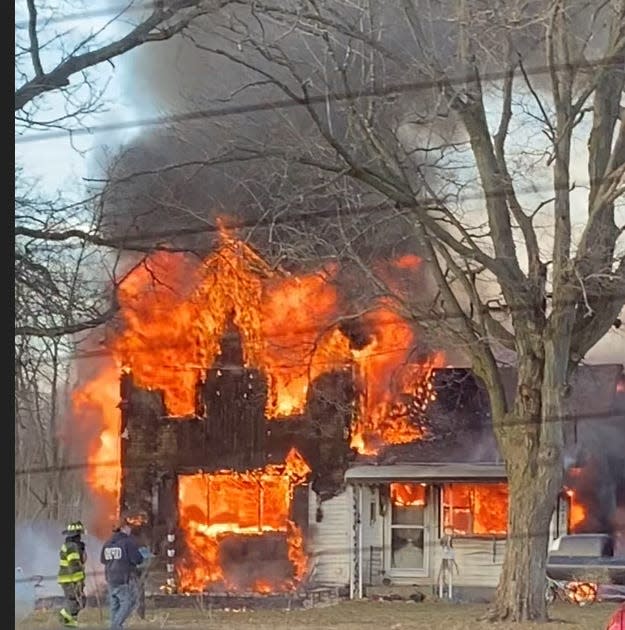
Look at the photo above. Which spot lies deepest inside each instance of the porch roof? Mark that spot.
(431, 472)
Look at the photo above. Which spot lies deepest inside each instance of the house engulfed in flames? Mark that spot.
(242, 404)
(266, 445)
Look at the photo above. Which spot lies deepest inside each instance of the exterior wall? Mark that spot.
(479, 561)
(330, 540)
(479, 558)
(373, 536)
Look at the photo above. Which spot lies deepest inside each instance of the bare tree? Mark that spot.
(66, 273)
(59, 69)
(166, 19)
(467, 121)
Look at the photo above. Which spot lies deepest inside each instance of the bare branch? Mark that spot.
(155, 27)
(34, 41)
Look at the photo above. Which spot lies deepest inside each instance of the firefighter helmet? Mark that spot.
(74, 529)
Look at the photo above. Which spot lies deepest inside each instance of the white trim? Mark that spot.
(432, 473)
(388, 532)
(360, 541)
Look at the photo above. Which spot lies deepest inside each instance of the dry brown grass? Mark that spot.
(344, 616)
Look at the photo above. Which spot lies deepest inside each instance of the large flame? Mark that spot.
(476, 508)
(577, 511)
(174, 310)
(96, 404)
(300, 339)
(393, 389)
(217, 506)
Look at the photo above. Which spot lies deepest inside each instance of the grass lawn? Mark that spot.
(344, 616)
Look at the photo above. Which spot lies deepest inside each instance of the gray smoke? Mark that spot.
(246, 167)
(178, 76)
(25, 595)
(187, 174)
(598, 469)
(37, 545)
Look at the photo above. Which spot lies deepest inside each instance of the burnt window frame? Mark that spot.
(471, 534)
(414, 570)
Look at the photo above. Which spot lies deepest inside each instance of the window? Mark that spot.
(408, 502)
(577, 511)
(476, 509)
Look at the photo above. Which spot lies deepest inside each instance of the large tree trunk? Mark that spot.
(530, 438)
(533, 490)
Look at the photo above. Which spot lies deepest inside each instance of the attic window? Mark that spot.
(476, 509)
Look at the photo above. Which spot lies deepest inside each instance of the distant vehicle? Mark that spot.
(577, 564)
(585, 557)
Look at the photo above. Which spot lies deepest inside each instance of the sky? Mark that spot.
(62, 165)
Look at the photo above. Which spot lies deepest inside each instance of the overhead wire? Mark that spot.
(320, 99)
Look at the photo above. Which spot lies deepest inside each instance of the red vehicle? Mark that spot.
(617, 620)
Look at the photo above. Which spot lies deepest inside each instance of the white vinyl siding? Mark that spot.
(331, 539)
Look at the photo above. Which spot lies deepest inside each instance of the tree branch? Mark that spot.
(34, 42)
(524, 221)
(153, 28)
(67, 329)
(473, 115)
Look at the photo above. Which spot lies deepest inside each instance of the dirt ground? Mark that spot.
(344, 616)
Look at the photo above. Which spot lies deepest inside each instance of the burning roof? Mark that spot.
(182, 318)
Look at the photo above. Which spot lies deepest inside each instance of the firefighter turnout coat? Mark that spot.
(72, 560)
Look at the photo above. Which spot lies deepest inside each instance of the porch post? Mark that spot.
(354, 573)
(360, 545)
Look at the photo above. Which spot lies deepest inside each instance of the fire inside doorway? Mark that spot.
(242, 383)
(238, 532)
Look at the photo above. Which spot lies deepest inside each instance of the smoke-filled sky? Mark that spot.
(168, 78)
(176, 77)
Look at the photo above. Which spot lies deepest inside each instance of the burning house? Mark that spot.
(241, 399)
(264, 441)
(404, 499)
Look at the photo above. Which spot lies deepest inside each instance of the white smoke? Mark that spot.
(25, 595)
(37, 546)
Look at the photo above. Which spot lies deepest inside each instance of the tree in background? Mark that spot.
(468, 121)
(65, 275)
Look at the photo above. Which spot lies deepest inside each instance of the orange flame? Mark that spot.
(476, 508)
(406, 494)
(219, 505)
(577, 511)
(386, 377)
(297, 315)
(96, 404)
(174, 311)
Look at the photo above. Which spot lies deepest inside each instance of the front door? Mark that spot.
(407, 528)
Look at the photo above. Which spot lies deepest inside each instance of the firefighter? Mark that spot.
(121, 558)
(71, 576)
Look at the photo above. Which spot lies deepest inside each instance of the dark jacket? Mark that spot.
(120, 556)
(72, 560)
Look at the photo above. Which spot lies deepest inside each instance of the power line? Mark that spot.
(289, 103)
(311, 554)
(133, 242)
(368, 326)
(111, 11)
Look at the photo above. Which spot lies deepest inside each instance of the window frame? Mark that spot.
(472, 534)
(390, 526)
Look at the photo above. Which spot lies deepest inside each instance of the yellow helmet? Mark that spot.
(74, 528)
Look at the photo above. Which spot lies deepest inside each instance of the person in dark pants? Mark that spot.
(71, 575)
(121, 558)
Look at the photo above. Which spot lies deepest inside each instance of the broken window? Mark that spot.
(475, 509)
